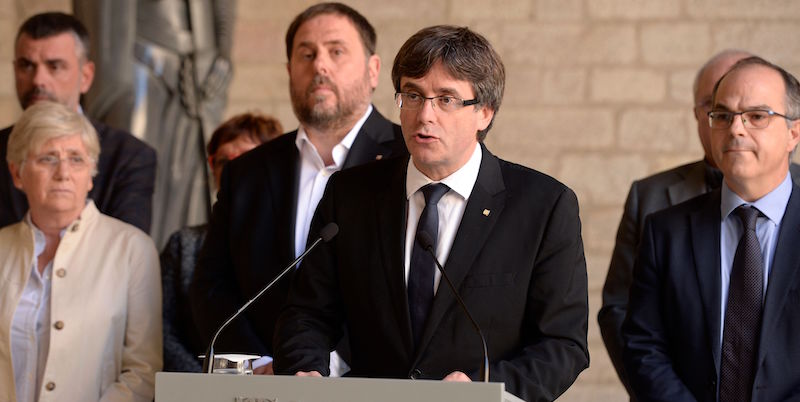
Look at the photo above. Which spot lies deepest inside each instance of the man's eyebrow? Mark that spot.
(334, 42)
(312, 45)
(753, 107)
(410, 86)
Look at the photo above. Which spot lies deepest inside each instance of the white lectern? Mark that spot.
(174, 387)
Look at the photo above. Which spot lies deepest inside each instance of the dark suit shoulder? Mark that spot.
(275, 154)
(371, 174)
(704, 202)
(120, 142)
(664, 179)
(527, 179)
(278, 146)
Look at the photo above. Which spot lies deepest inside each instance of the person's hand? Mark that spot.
(308, 374)
(264, 370)
(457, 376)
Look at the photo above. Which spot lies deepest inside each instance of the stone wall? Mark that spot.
(598, 91)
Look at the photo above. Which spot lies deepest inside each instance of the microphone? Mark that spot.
(426, 242)
(326, 234)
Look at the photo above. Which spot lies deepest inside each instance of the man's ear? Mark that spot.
(87, 75)
(794, 135)
(485, 116)
(374, 69)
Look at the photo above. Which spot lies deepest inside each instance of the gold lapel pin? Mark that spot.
(486, 212)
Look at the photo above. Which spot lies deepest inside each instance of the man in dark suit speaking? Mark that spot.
(267, 197)
(714, 312)
(51, 63)
(508, 236)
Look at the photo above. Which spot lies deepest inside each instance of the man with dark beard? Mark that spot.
(268, 196)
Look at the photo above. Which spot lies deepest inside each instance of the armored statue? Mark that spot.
(163, 69)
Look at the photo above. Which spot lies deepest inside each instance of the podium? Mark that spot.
(174, 387)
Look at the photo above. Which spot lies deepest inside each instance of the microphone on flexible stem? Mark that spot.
(426, 242)
(328, 232)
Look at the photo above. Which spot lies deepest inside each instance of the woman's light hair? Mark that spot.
(45, 121)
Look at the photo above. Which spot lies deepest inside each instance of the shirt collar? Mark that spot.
(772, 205)
(341, 149)
(39, 241)
(461, 181)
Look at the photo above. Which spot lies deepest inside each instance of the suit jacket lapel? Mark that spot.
(392, 209)
(473, 231)
(783, 274)
(693, 185)
(374, 141)
(283, 170)
(705, 226)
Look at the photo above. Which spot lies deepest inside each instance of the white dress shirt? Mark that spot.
(30, 327)
(451, 207)
(772, 206)
(314, 177)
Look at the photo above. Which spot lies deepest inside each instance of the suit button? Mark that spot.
(61, 272)
(50, 386)
(416, 373)
(58, 325)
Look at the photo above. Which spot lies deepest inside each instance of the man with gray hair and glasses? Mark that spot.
(657, 192)
(714, 311)
(507, 236)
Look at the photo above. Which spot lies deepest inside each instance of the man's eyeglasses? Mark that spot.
(750, 118)
(447, 103)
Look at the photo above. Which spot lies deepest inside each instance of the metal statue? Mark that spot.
(163, 69)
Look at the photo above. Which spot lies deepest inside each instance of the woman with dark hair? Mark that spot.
(234, 137)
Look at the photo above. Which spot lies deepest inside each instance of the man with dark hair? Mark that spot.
(713, 313)
(51, 63)
(508, 236)
(268, 196)
(657, 192)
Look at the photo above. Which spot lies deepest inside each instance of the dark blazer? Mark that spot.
(517, 261)
(672, 343)
(123, 186)
(646, 196)
(251, 235)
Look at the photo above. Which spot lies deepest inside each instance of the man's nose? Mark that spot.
(40, 75)
(426, 110)
(737, 125)
(322, 63)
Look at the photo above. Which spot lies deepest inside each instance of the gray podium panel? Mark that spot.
(174, 387)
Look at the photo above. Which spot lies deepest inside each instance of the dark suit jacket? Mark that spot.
(671, 334)
(517, 261)
(123, 186)
(251, 235)
(646, 196)
(182, 343)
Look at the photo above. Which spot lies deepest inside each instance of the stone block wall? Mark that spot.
(598, 91)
